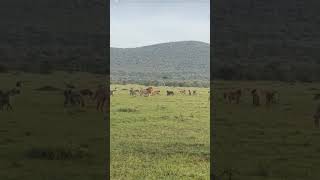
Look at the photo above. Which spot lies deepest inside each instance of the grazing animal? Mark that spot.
(73, 98)
(149, 90)
(189, 91)
(146, 92)
(101, 97)
(233, 96)
(86, 92)
(170, 93)
(270, 97)
(255, 97)
(155, 92)
(194, 92)
(141, 91)
(132, 92)
(182, 91)
(112, 92)
(135, 92)
(5, 99)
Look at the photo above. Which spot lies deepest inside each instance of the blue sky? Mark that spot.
(137, 23)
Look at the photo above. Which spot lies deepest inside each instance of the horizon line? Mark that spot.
(159, 43)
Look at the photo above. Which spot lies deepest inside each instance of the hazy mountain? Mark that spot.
(185, 60)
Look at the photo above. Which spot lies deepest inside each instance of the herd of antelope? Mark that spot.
(270, 96)
(150, 91)
(77, 97)
(72, 96)
(100, 96)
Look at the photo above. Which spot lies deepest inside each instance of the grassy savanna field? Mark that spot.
(159, 137)
(40, 139)
(263, 143)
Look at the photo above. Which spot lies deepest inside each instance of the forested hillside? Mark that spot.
(174, 61)
(266, 40)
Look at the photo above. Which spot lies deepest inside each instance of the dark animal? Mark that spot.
(101, 96)
(170, 93)
(182, 91)
(5, 99)
(73, 98)
(194, 92)
(270, 97)
(233, 96)
(255, 98)
(86, 92)
(132, 92)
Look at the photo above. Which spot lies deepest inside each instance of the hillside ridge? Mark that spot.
(179, 61)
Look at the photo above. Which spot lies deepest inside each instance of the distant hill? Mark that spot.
(266, 40)
(177, 61)
(56, 34)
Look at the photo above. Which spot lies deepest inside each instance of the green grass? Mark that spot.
(155, 137)
(159, 137)
(40, 140)
(273, 143)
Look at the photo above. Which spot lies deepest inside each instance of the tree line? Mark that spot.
(303, 71)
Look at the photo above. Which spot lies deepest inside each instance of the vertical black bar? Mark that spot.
(264, 48)
(39, 38)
